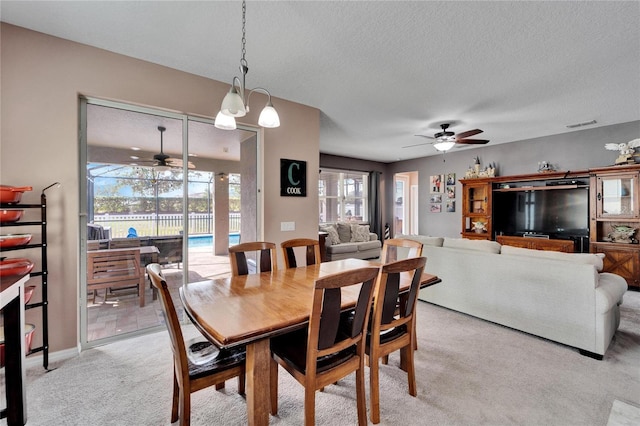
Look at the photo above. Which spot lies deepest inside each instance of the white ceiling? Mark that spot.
(381, 72)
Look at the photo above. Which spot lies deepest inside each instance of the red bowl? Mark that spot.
(12, 194)
(8, 216)
(28, 337)
(12, 240)
(19, 266)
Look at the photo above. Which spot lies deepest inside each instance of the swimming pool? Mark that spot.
(206, 240)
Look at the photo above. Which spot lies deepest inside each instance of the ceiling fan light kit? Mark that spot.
(444, 145)
(445, 140)
(235, 104)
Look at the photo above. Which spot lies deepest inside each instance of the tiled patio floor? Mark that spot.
(121, 313)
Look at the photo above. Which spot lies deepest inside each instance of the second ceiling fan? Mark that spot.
(163, 160)
(445, 140)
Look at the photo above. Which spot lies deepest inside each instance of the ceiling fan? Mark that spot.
(445, 140)
(162, 160)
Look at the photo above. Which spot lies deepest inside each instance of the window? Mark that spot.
(344, 196)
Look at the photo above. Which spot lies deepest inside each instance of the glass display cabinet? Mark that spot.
(615, 220)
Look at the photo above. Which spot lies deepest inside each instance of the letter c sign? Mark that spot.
(293, 178)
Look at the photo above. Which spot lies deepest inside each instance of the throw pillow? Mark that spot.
(344, 231)
(359, 233)
(332, 235)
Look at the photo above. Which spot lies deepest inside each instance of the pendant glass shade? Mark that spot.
(225, 122)
(444, 145)
(232, 104)
(269, 117)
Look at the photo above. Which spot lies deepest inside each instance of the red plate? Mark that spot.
(12, 240)
(15, 267)
(8, 216)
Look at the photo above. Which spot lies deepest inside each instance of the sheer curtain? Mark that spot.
(375, 204)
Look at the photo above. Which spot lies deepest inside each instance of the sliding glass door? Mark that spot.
(158, 187)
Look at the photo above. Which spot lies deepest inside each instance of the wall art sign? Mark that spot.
(293, 178)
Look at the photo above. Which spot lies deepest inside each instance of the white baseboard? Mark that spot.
(36, 360)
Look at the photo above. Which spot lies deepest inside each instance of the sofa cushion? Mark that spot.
(424, 239)
(344, 231)
(369, 245)
(332, 235)
(477, 245)
(344, 248)
(594, 259)
(359, 233)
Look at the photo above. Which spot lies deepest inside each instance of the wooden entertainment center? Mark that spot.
(614, 203)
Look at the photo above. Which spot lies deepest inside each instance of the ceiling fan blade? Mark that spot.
(177, 162)
(425, 136)
(418, 144)
(468, 133)
(472, 141)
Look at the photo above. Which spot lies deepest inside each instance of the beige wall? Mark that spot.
(41, 79)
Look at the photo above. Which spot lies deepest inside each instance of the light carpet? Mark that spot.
(469, 372)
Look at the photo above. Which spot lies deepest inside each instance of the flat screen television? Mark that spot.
(553, 213)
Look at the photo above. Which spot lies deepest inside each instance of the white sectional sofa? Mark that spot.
(562, 297)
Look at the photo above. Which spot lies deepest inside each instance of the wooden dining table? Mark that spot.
(250, 309)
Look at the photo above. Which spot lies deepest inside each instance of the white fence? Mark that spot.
(162, 224)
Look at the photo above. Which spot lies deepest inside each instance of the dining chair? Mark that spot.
(393, 324)
(327, 350)
(197, 366)
(390, 249)
(265, 251)
(312, 251)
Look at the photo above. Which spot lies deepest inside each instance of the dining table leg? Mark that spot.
(257, 385)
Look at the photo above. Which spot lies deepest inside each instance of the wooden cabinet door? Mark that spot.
(621, 261)
(476, 207)
(617, 196)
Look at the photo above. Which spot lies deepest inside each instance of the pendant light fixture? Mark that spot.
(235, 104)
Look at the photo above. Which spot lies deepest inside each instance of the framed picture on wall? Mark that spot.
(435, 198)
(436, 184)
(451, 191)
(451, 206)
(451, 179)
(436, 208)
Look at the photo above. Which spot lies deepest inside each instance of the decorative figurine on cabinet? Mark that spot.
(621, 234)
(626, 151)
(479, 227)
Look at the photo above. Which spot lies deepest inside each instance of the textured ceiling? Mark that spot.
(381, 72)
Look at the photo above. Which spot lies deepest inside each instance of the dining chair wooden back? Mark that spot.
(197, 366)
(311, 247)
(328, 349)
(267, 259)
(392, 249)
(393, 324)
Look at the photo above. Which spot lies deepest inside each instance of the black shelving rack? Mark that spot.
(43, 272)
